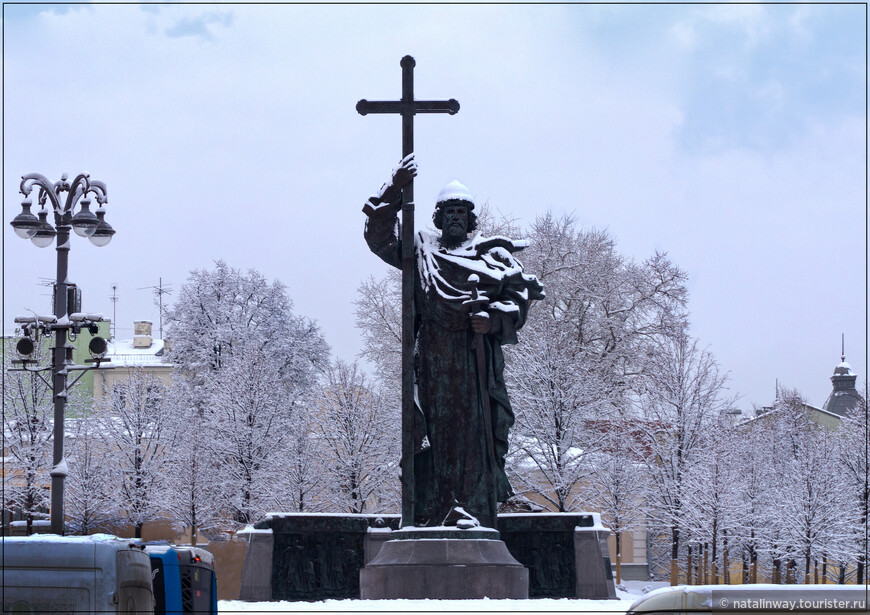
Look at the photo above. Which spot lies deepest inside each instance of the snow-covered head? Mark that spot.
(454, 193)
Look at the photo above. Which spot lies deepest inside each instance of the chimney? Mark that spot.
(141, 334)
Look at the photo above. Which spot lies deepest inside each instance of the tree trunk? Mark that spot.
(753, 559)
(753, 572)
(689, 567)
(824, 569)
(863, 525)
(618, 536)
(706, 564)
(714, 556)
(675, 546)
(28, 530)
(726, 574)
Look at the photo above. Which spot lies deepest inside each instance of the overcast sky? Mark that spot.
(731, 137)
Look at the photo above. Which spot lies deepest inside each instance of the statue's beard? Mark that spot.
(453, 240)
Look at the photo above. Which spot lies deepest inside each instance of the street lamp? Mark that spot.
(85, 223)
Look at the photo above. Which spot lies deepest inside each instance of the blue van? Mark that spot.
(198, 580)
(165, 579)
(183, 579)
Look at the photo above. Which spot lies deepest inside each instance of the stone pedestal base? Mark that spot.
(444, 564)
(594, 577)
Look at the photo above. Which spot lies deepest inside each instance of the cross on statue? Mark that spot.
(407, 107)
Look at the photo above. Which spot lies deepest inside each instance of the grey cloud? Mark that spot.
(199, 26)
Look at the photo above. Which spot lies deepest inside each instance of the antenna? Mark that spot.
(114, 299)
(159, 291)
(48, 283)
(843, 347)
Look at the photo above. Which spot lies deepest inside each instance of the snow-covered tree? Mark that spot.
(306, 467)
(712, 511)
(550, 438)
(27, 422)
(378, 310)
(853, 461)
(580, 349)
(679, 397)
(809, 489)
(753, 458)
(248, 427)
(249, 364)
(190, 495)
(615, 482)
(133, 420)
(813, 509)
(220, 311)
(90, 500)
(361, 437)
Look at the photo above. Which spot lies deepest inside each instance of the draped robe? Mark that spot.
(452, 465)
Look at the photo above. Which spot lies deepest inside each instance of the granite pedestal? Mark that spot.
(444, 564)
(318, 556)
(566, 553)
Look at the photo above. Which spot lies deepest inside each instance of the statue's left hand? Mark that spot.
(481, 322)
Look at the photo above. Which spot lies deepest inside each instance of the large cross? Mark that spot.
(407, 108)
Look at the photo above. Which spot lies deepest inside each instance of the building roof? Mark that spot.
(844, 398)
(124, 354)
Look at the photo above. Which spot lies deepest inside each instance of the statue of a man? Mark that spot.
(471, 297)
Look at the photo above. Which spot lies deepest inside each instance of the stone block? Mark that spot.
(422, 565)
(594, 575)
(320, 556)
(256, 581)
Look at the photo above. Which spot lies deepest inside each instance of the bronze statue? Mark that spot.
(471, 296)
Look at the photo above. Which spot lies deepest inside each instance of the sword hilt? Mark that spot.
(477, 300)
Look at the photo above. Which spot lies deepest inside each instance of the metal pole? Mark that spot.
(408, 410)
(407, 107)
(60, 355)
(62, 352)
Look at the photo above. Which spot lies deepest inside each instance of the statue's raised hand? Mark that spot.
(405, 172)
(386, 202)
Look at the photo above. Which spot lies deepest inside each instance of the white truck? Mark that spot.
(48, 573)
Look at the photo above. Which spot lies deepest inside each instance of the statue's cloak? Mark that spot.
(452, 465)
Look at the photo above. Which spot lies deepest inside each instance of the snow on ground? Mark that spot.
(431, 606)
(563, 605)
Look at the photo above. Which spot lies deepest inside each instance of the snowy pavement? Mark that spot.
(563, 605)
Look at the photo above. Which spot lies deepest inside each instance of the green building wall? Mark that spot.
(81, 354)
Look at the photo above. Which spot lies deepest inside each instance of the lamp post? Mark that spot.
(85, 223)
